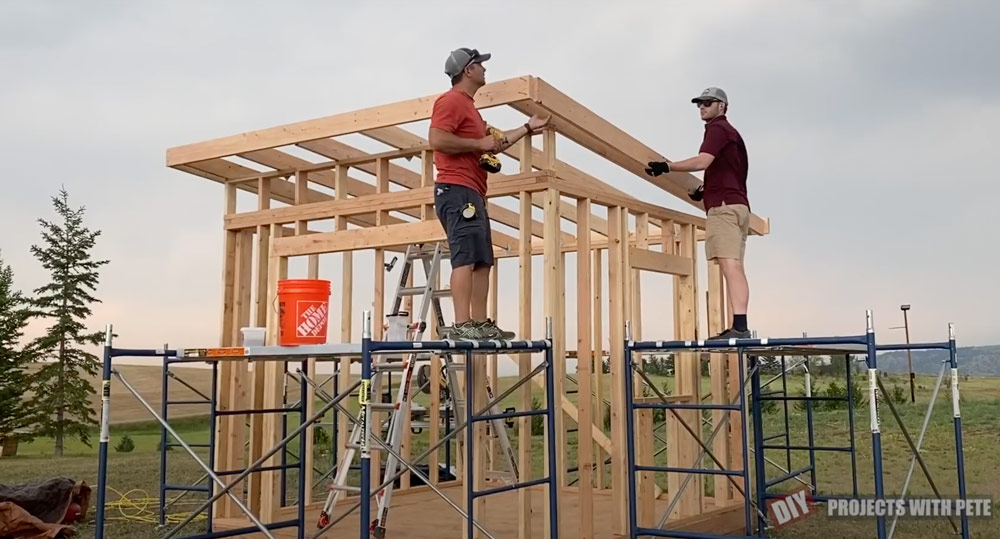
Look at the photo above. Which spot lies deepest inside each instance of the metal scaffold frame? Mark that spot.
(754, 491)
(365, 351)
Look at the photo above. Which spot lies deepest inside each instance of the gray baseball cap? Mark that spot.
(459, 59)
(711, 93)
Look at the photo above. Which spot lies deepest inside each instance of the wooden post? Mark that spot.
(598, 359)
(722, 445)
(684, 449)
(260, 315)
(553, 309)
(302, 227)
(223, 452)
(644, 418)
(524, 363)
(617, 245)
(584, 366)
(271, 395)
(378, 309)
(346, 312)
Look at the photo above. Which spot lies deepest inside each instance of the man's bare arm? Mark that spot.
(445, 142)
(511, 137)
(693, 164)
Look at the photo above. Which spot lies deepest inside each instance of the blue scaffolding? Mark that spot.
(755, 489)
(365, 351)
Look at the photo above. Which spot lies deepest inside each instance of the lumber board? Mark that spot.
(598, 359)
(687, 380)
(376, 237)
(604, 138)
(553, 277)
(585, 367)
(644, 259)
(617, 234)
(491, 95)
(368, 203)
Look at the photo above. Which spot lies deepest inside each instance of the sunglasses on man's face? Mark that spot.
(706, 103)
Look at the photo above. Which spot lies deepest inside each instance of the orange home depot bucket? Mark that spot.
(303, 311)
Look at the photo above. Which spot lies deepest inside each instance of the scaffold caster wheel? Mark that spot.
(378, 531)
(324, 519)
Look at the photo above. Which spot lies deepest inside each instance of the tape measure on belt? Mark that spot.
(469, 211)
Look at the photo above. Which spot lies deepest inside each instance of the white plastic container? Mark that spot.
(253, 336)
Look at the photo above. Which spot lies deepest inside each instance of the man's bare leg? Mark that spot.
(461, 291)
(737, 288)
(480, 292)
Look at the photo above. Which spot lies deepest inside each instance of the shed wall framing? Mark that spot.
(349, 201)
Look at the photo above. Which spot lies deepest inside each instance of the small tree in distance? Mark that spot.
(62, 386)
(15, 404)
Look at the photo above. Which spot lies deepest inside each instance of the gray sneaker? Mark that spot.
(491, 331)
(469, 330)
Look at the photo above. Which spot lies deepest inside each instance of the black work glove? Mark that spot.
(655, 168)
(697, 193)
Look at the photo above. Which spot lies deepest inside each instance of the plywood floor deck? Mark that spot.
(424, 515)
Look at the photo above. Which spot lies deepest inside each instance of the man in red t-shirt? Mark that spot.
(723, 157)
(459, 137)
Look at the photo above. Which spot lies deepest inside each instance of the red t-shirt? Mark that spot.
(455, 112)
(726, 177)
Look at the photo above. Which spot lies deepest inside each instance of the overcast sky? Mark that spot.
(870, 126)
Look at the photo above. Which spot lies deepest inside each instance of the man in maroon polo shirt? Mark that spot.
(459, 137)
(723, 157)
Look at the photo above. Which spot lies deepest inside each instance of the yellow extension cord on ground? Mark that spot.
(145, 509)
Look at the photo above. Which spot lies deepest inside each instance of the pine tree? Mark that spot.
(15, 408)
(62, 385)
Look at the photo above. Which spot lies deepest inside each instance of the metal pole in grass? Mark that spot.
(164, 397)
(102, 463)
(212, 419)
(743, 431)
(364, 399)
(873, 413)
(760, 472)
(550, 393)
(304, 403)
(959, 452)
(633, 519)
(470, 442)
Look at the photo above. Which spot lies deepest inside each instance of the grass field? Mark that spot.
(134, 476)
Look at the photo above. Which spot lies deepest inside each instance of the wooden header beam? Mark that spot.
(495, 94)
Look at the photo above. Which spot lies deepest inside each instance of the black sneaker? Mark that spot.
(490, 330)
(732, 334)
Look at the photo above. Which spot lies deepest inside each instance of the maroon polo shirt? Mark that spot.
(726, 177)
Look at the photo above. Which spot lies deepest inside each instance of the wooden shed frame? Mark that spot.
(394, 208)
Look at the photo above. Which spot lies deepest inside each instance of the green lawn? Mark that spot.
(134, 476)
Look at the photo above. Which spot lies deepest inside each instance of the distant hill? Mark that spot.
(972, 360)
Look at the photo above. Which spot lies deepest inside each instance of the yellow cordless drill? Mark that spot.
(488, 161)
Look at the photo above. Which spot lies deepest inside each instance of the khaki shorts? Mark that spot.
(726, 231)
